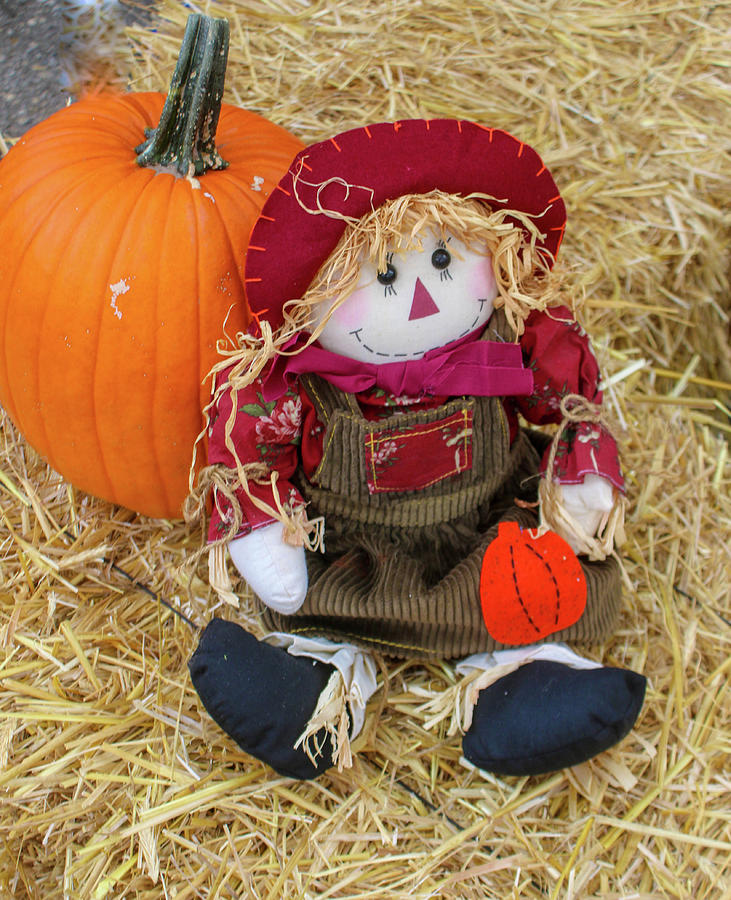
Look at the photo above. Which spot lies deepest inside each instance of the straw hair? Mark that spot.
(520, 267)
(116, 783)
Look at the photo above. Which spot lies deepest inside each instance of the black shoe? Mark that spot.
(261, 696)
(545, 716)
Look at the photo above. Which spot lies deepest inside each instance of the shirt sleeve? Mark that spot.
(558, 351)
(263, 432)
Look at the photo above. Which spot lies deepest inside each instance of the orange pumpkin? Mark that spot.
(531, 587)
(116, 276)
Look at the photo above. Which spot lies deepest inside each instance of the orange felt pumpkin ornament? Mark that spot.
(530, 587)
(118, 270)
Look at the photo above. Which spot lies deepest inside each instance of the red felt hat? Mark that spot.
(359, 170)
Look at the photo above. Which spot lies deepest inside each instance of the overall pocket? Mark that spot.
(414, 457)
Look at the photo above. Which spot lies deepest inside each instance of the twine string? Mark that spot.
(575, 409)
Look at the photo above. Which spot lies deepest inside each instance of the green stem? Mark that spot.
(185, 138)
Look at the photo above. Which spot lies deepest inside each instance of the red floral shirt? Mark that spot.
(286, 433)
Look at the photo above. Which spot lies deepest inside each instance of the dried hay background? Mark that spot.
(114, 781)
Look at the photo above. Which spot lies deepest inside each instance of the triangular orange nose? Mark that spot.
(423, 304)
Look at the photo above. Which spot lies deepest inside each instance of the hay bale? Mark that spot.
(115, 782)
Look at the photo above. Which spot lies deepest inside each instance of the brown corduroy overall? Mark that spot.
(401, 569)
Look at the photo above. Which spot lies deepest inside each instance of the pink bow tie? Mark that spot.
(466, 366)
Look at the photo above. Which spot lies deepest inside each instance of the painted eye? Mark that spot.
(441, 258)
(389, 276)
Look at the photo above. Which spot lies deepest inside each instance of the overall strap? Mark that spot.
(498, 328)
(327, 398)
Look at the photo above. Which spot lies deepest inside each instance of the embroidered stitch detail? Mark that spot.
(312, 391)
(553, 578)
(391, 456)
(363, 639)
(518, 593)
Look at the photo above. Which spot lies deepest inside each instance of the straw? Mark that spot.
(116, 783)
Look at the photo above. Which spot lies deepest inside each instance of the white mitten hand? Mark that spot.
(587, 503)
(274, 570)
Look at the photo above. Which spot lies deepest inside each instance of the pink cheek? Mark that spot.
(481, 281)
(354, 311)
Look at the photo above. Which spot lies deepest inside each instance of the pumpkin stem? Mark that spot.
(184, 139)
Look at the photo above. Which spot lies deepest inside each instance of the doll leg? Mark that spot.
(277, 700)
(543, 708)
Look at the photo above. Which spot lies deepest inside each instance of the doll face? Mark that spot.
(425, 299)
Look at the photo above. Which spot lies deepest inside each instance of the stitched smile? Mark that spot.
(419, 353)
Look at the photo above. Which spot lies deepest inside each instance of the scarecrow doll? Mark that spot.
(371, 473)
